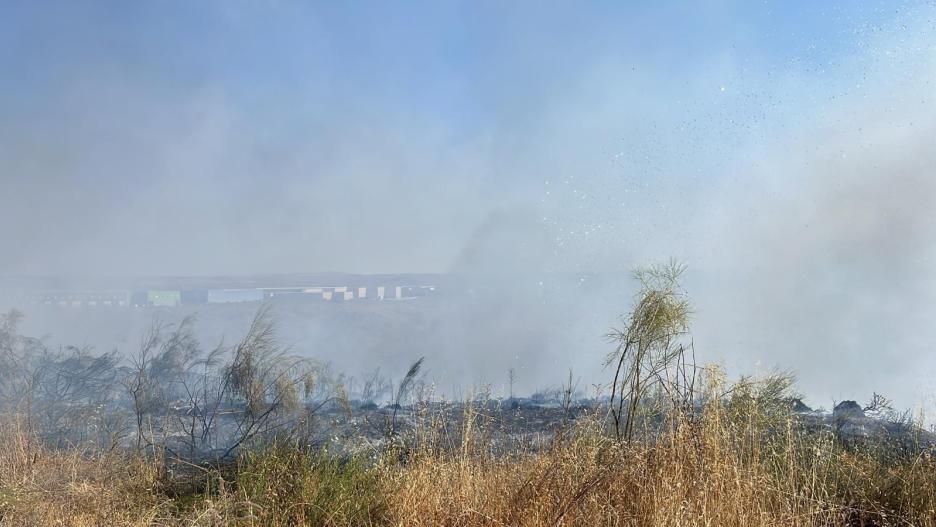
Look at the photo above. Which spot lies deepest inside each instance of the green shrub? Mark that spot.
(287, 485)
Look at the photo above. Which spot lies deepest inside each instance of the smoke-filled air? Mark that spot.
(467, 263)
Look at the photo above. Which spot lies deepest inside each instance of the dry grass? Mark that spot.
(591, 485)
(73, 487)
(731, 465)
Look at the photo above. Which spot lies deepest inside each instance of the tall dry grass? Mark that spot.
(78, 487)
(738, 460)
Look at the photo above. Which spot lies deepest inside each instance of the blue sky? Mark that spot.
(467, 65)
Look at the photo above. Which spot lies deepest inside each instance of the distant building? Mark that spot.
(139, 299)
(80, 298)
(283, 292)
(222, 296)
(417, 291)
(357, 290)
(164, 298)
(337, 294)
(385, 292)
(194, 297)
(311, 293)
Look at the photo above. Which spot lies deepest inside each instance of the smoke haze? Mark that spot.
(543, 151)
